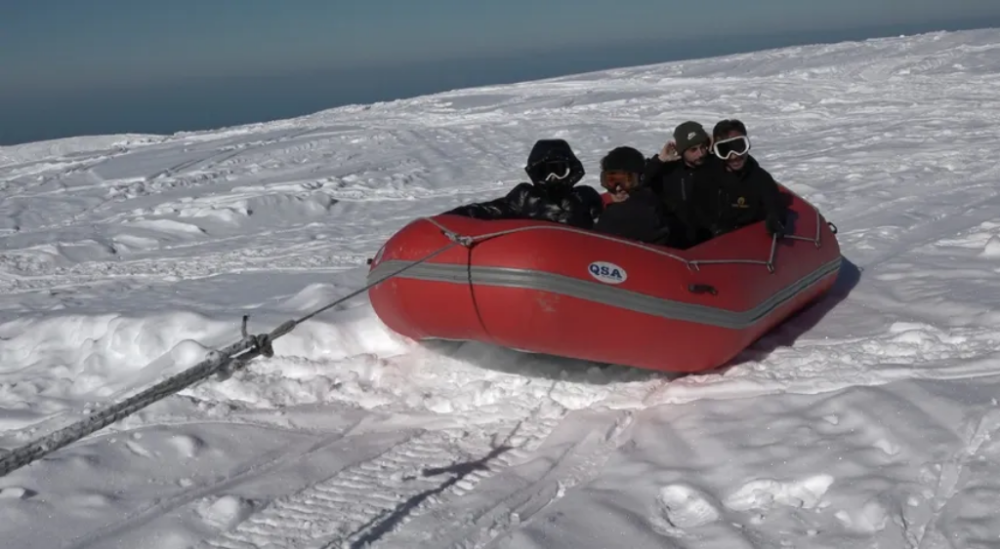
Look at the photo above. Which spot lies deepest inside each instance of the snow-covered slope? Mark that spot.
(868, 422)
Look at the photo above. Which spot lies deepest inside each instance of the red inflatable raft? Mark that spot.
(547, 288)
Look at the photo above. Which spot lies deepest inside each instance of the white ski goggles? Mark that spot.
(734, 146)
(549, 170)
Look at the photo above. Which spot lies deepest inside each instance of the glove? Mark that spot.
(774, 227)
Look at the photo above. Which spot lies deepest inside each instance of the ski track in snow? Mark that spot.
(867, 421)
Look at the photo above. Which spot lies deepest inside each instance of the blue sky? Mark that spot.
(77, 44)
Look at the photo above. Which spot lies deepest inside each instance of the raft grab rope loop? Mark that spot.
(692, 264)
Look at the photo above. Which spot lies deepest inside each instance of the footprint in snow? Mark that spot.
(16, 493)
(764, 494)
(992, 248)
(680, 507)
(187, 446)
(224, 512)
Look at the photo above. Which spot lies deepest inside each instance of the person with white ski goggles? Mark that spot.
(731, 147)
(742, 191)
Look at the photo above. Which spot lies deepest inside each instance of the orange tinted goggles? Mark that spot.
(615, 181)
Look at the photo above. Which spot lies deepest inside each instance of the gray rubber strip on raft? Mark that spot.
(603, 293)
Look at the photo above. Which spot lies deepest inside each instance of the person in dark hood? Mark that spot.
(552, 194)
(741, 192)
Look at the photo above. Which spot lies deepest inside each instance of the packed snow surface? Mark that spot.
(869, 421)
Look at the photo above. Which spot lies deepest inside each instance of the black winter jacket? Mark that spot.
(641, 217)
(730, 200)
(552, 194)
(676, 185)
(661, 211)
(576, 207)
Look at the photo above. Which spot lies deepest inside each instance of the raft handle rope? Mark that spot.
(693, 264)
(222, 362)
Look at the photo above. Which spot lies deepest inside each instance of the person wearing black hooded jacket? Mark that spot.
(554, 170)
(738, 191)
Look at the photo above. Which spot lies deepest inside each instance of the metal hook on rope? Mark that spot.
(260, 342)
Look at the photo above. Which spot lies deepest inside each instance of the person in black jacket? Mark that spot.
(621, 173)
(631, 209)
(663, 210)
(739, 192)
(673, 176)
(552, 194)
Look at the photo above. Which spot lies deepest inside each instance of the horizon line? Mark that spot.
(362, 104)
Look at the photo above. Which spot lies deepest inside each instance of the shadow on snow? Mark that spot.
(801, 322)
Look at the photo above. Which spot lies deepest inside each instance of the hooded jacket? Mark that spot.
(552, 194)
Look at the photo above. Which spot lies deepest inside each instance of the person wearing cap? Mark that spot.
(552, 195)
(673, 175)
(740, 192)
